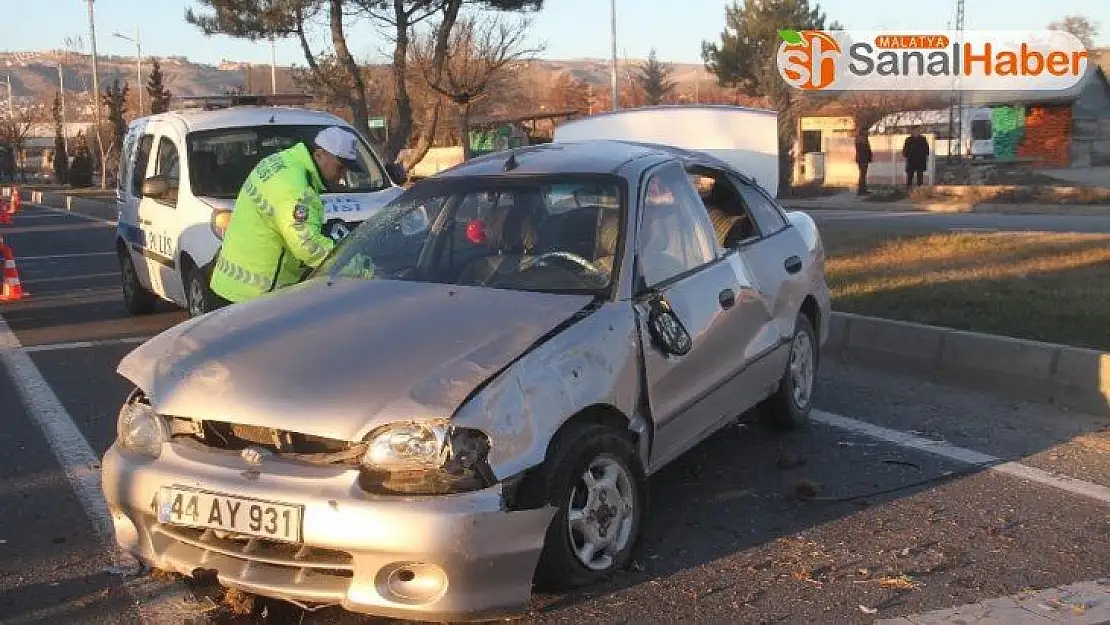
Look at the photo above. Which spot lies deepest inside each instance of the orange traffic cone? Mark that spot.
(5, 212)
(16, 200)
(13, 289)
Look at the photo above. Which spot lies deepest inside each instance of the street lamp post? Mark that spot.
(613, 77)
(138, 63)
(96, 100)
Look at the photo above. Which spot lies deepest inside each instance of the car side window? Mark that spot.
(672, 240)
(139, 164)
(168, 165)
(728, 213)
(763, 209)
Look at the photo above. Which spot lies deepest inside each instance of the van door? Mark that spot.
(161, 221)
(129, 194)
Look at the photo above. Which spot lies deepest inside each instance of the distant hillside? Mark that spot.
(35, 74)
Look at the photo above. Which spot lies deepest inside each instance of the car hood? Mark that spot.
(337, 360)
(350, 207)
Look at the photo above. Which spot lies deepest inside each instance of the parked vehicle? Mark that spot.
(548, 327)
(182, 171)
(978, 129)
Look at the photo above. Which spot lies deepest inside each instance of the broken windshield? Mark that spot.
(543, 233)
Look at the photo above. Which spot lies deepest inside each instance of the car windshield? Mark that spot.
(221, 160)
(558, 234)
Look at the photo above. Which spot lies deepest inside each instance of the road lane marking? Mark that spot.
(113, 274)
(155, 601)
(54, 228)
(24, 259)
(62, 211)
(53, 347)
(938, 448)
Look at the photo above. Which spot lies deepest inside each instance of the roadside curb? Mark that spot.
(61, 201)
(1071, 377)
(1086, 210)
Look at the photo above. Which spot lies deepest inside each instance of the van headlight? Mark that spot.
(141, 429)
(220, 221)
(425, 458)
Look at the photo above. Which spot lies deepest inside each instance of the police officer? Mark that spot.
(275, 228)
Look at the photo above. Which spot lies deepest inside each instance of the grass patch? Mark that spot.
(1040, 286)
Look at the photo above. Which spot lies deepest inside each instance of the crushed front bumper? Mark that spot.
(457, 557)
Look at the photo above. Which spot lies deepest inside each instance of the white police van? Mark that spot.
(182, 171)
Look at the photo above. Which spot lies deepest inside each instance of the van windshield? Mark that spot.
(220, 160)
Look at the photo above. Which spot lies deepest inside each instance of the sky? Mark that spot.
(567, 28)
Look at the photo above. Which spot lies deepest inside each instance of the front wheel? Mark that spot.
(196, 292)
(790, 406)
(595, 479)
(136, 299)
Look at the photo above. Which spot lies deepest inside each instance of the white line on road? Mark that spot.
(53, 256)
(937, 448)
(53, 347)
(114, 274)
(62, 211)
(156, 602)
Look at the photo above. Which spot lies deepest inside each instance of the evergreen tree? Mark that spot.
(156, 89)
(654, 78)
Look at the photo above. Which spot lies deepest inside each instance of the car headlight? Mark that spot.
(425, 458)
(141, 429)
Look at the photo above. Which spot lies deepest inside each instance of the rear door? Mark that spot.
(129, 193)
(776, 257)
(692, 305)
(161, 220)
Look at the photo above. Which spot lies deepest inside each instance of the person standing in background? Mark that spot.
(863, 159)
(916, 151)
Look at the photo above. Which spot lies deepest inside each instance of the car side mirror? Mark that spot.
(397, 172)
(666, 329)
(156, 187)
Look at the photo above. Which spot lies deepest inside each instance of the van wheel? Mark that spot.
(196, 292)
(136, 299)
(789, 407)
(595, 479)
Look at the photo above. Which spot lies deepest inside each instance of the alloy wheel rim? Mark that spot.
(801, 370)
(601, 513)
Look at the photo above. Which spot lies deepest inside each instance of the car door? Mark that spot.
(129, 194)
(691, 303)
(776, 257)
(160, 219)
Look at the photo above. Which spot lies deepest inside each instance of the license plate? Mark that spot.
(252, 517)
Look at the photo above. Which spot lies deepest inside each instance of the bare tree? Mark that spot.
(1080, 26)
(868, 107)
(483, 50)
(15, 128)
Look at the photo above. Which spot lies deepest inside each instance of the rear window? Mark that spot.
(220, 160)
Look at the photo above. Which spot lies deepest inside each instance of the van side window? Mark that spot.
(139, 163)
(168, 165)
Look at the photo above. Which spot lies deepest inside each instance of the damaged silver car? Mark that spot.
(545, 328)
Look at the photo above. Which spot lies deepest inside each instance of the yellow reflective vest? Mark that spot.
(275, 228)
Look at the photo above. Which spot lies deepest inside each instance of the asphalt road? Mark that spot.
(913, 512)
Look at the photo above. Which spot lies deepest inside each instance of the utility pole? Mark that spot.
(62, 92)
(11, 107)
(613, 77)
(96, 101)
(273, 67)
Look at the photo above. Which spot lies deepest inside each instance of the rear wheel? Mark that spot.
(136, 299)
(790, 406)
(595, 479)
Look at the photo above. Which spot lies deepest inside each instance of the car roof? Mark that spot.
(596, 156)
(199, 119)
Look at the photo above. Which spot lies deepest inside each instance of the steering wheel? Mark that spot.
(571, 256)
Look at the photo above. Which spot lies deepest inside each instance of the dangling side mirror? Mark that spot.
(666, 329)
(397, 172)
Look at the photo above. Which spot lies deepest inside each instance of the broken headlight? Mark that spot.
(139, 428)
(425, 458)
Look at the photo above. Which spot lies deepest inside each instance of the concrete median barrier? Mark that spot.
(104, 209)
(1072, 377)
